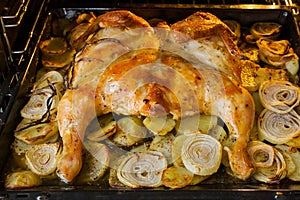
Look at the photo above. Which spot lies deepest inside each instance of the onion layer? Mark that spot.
(42, 159)
(201, 154)
(258, 30)
(142, 169)
(274, 173)
(261, 154)
(279, 96)
(278, 128)
(275, 53)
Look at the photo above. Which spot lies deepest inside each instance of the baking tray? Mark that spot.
(224, 188)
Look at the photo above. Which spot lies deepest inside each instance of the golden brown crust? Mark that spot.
(122, 18)
(153, 82)
(188, 89)
(205, 25)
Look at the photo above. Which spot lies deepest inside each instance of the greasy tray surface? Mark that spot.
(246, 18)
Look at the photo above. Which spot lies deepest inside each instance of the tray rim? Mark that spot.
(247, 189)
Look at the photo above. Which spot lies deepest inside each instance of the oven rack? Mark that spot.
(17, 32)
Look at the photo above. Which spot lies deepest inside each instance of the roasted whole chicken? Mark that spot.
(128, 67)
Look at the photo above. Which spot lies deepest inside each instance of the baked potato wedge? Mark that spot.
(177, 177)
(38, 134)
(101, 128)
(159, 125)
(130, 131)
(196, 123)
(95, 163)
(22, 179)
(292, 158)
(164, 145)
(54, 45)
(58, 60)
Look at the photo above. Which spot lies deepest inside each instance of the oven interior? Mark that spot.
(19, 57)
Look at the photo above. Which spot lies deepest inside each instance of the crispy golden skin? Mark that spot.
(116, 18)
(206, 25)
(155, 82)
(166, 84)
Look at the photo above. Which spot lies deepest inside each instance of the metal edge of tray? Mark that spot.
(286, 190)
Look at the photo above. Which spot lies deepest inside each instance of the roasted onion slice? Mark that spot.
(292, 158)
(276, 53)
(279, 96)
(44, 97)
(274, 173)
(234, 27)
(50, 78)
(269, 30)
(42, 158)
(201, 154)
(278, 128)
(142, 169)
(261, 154)
(39, 105)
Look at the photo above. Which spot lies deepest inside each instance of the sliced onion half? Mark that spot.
(269, 30)
(40, 104)
(275, 53)
(143, 169)
(51, 77)
(261, 154)
(278, 128)
(42, 158)
(44, 96)
(279, 96)
(274, 173)
(201, 154)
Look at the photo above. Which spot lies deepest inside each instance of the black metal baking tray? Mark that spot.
(225, 188)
